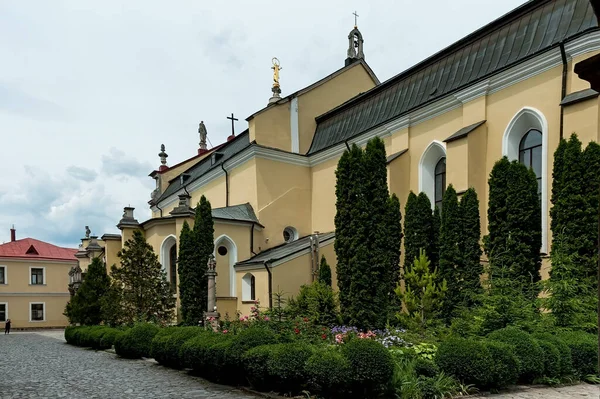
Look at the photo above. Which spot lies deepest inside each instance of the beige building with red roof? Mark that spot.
(34, 279)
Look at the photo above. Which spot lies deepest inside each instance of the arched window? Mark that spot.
(530, 154)
(173, 266)
(248, 287)
(226, 257)
(440, 182)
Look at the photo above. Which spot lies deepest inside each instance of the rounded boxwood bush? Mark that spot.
(371, 366)
(467, 360)
(527, 350)
(551, 358)
(196, 352)
(166, 348)
(244, 341)
(565, 360)
(256, 366)
(505, 364)
(426, 368)
(109, 338)
(220, 363)
(584, 351)
(136, 342)
(70, 334)
(328, 373)
(83, 336)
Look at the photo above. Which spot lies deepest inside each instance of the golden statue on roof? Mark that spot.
(276, 68)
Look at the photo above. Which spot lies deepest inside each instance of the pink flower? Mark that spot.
(225, 331)
(267, 318)
(339, 338)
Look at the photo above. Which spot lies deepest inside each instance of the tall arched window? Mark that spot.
(248, 287)
(173, 266)
(530, 154)
(440, 182)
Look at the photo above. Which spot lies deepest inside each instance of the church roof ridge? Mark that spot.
(319, 83)
(520, 34)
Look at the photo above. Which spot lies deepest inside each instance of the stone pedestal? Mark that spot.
(212, 319)
(212, 316)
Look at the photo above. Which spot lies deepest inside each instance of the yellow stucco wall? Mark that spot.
(18, 293)
(111, 249)
(272, 127)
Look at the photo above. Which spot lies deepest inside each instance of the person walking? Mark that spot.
(7, 327)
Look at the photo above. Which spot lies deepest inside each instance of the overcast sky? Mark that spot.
(90, 89)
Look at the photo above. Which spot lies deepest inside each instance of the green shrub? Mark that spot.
(136, 342)
(527, 350)
(166, 347)
(109, 338)
(244, 341)
(426, 368)
(469, 361)
(70, 334)
(584, 352)
(328, 373)
(505, 364)
(220, 363)
(256, 366)
(195, 352)
(82, 336)
(565, 360)
(551, 358)
(371, 366)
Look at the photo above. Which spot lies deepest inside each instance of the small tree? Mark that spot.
(140, 284)
(86, 306)
(203, 234)
(190, 278)
(316, 301)
(324, 272)
(423, 295)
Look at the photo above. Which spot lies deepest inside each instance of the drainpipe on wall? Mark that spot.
(563, 92)
(156, 205)
(312, 259)
(252, 239)
(266, 264)
(226, 185)
(347, 146)
(317, 258)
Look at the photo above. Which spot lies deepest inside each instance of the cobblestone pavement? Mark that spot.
(582, 391)
(42, 365)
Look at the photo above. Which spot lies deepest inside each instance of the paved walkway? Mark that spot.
(580, 391)
(42, 365)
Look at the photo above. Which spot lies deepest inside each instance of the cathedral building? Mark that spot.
(507, 89)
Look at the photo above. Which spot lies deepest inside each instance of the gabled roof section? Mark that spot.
(395, 155)
(531, 29)
(283, 251)
(243, 213)
(29, 248)
(464, 132)
(239, 143)
(579, 96)
(319, 83)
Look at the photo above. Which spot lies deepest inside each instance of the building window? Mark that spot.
(440, 182)
(3, 311)
(37, 276)
(173, 267)
(248, 287)
(530, 154)
(3, 275)
(290, 234)
(222, 250)
(37, 312)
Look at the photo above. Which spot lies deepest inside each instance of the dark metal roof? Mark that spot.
(284, 250)
(579, 96)
(464, 132)
(240, 213)
(528, 30)
(395, 155)
(195, 172)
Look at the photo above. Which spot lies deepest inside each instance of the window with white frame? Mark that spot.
(440, 182)
(248, 287)
(432, 173)
(3, 311)
(3, 277)
(37, 311)
(37, 275)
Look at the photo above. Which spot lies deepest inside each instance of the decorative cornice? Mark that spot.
(473, 92)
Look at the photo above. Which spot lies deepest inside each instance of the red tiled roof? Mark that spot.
(29, 248)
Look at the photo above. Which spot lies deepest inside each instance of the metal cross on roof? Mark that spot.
(232, 122)
(355, 19)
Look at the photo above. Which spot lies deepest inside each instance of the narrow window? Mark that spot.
(2, 312)
(440, 182)
(2, 274)
(37, 276)
(37, 312)
(253, 288)
(530, 154)
(173, 267)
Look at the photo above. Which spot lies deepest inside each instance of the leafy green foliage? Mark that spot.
(324, 272)
(371, 367)
(137, 341)
(203, 235)
(421, 230)
(328, 373)
(317, 302)
(394, 239)
(450, 264)
(565, 362)
(141, 290)
(584, 351)
(166, 348)
(86, 305)
(423, 295)
(470, 249)
(527, 350)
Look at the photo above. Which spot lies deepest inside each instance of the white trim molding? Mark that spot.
(435, 151)
(232, 254)
(165, 258)
(526, 119)
(43, 312)
(44, 281)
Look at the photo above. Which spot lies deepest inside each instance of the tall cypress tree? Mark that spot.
(557, 173)
(498, 227)
(450, 256)
(203, 235)
(434, 248)
(394, 219)
(419, 231)
(591, 187)
(190, 278)
(470, 248)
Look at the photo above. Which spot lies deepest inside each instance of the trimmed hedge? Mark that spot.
(166, 345)
(328, 373)
(371, 367)
(90, 336)
(136, 342)
(109, 337)
(485, 364)
(527, 350)
(551, 358)
(196, 352)
(565, 361)
(584, 351)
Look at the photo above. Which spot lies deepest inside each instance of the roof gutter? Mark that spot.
(563, 92)
(266, 264)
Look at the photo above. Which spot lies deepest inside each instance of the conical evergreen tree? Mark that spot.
(324, 272)
(589, 229)
(450, 255)
(413, 236)
(190, 280)
(435, 244)
(86, 305)
(394, 219)
(470, 248)
(203, 234)
(495, 244)
(557, 179)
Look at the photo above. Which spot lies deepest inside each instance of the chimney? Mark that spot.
(13, 234)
